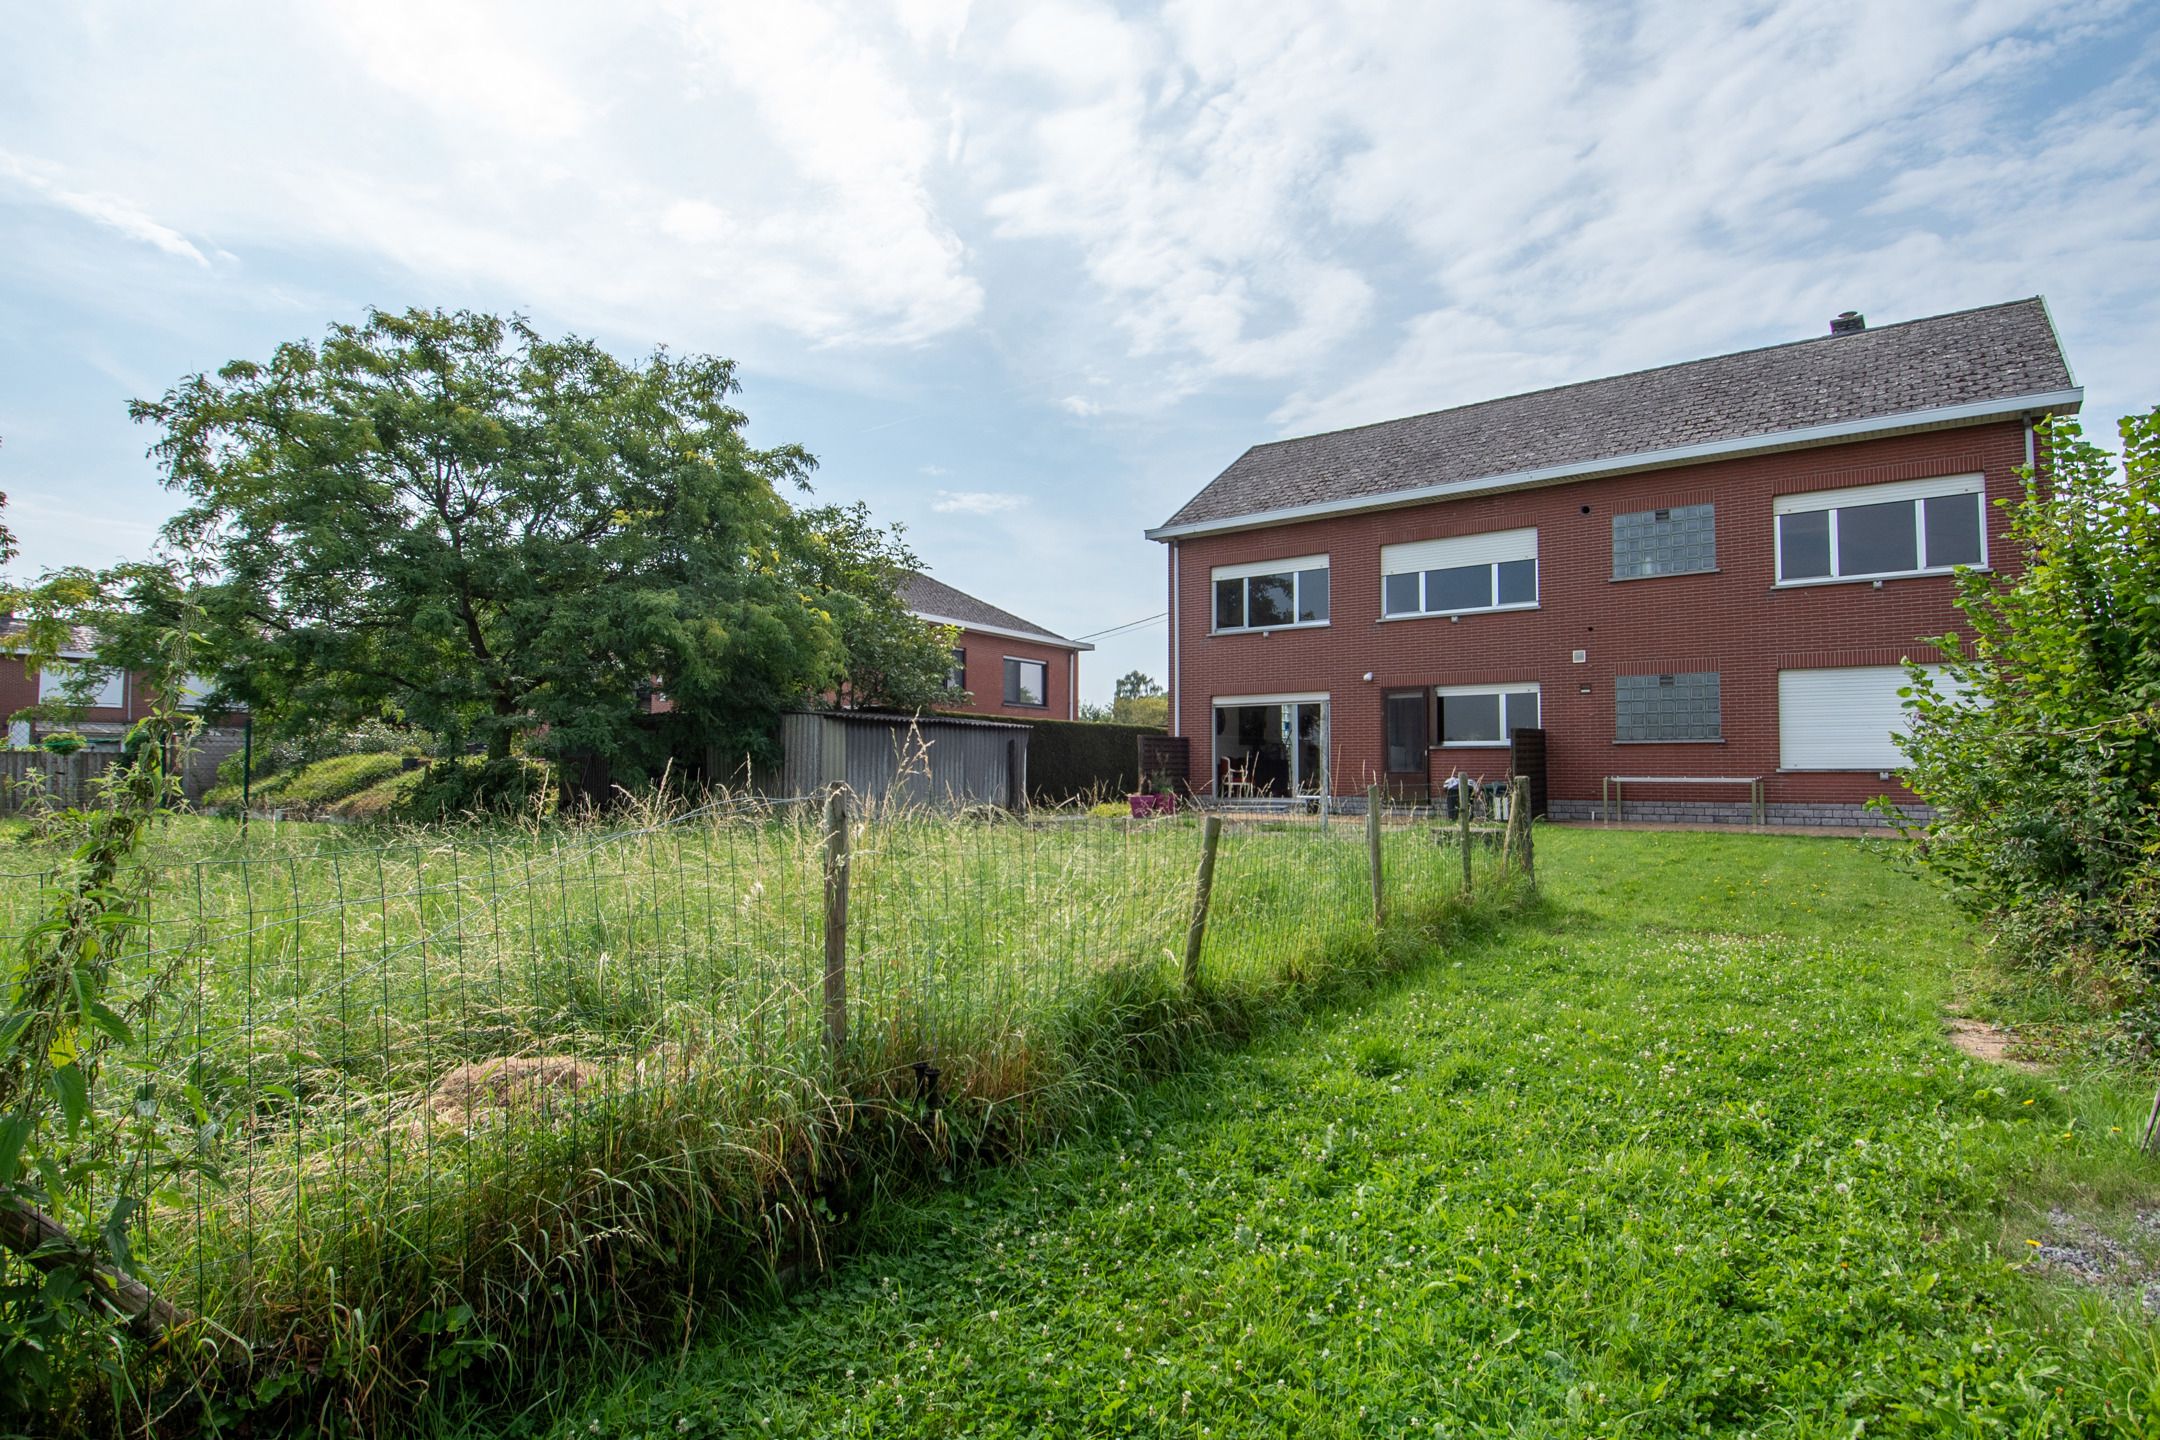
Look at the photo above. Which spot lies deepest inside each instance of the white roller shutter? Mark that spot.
(1492, 547)
(1842, 719)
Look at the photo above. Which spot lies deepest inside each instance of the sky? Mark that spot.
(1026, 276)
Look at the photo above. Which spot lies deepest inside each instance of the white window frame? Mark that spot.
(1289, 698)
(1291, 567)
(1492, 549)
(1913, 491)
(1501, 689)
(1042, 665)
(53, 681)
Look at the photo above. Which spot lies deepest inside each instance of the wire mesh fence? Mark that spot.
(455, 1087)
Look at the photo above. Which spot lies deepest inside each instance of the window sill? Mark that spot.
(1458, 614)
(1271, 629)
(1934, 574)
(1471, 745)
(1876, 771)
(1024, 705)
(1719, 741)
(1667, 575)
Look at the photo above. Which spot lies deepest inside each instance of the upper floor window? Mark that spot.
(70, 684)
(1272, 594)
(956, 676)
(1027, 682)
(1681, 540)
(1494, 571)
(1910, 527)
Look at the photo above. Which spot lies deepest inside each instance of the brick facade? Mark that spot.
(1732, 620)
(19, 691)
(986, 656)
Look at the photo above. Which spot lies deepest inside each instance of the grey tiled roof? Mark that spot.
(1999, 352)
(926, 596)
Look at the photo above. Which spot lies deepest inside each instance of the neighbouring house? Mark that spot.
(116, 701)
(1705, 575)
(1009, 666)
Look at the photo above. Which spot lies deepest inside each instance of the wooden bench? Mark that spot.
(1615, 807)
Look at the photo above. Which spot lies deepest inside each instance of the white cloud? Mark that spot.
(976, 502)
(1080, 405)
(110, 211)
(658, 169)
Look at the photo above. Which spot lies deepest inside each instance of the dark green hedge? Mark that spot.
(1075, 759)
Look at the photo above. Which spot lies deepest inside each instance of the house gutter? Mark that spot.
(1943, 417)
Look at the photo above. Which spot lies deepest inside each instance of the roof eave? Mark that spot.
(1904, 423)
(1002, 632)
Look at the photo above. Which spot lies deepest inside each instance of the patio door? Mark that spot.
(1270, 746)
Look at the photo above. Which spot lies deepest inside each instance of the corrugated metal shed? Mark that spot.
(905, 759)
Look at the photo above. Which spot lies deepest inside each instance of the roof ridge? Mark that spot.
(2041, 300)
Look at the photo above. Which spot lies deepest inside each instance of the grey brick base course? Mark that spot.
(1696, 812)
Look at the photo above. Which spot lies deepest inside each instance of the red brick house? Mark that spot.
(1009, 665)
(117, 701)
(1709, 571)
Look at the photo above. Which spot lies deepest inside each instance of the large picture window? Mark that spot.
(1460, 574)
(1027, 682)
(1272, 594)
(1912, 527)
(1485, 714)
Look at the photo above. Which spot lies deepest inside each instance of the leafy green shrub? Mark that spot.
(2040, 750)
(454, 789)
(64, 743)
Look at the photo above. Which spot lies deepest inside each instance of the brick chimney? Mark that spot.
(1849, 322)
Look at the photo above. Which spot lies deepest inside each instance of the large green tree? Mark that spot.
(452, 521)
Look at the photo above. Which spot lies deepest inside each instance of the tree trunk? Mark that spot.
(46, 1246)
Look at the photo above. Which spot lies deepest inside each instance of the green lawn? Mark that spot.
(1685, 1153)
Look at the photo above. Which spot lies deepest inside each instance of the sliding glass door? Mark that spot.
(1270, 747)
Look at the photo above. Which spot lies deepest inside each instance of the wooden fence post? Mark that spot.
(1464, 790)
(1519, 813)
(836, 918)
(1372, 847)
(1210, 837)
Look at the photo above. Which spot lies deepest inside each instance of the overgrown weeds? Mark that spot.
(477, 1101)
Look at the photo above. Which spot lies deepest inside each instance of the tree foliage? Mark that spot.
(451, 521)
(2040, 750)
(1137, 699)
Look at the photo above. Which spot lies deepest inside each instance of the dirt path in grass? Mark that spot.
(1688, 1154)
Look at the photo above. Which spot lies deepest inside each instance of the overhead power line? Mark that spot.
(1128, 625)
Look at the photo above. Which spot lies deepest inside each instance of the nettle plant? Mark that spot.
(91, 1133)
